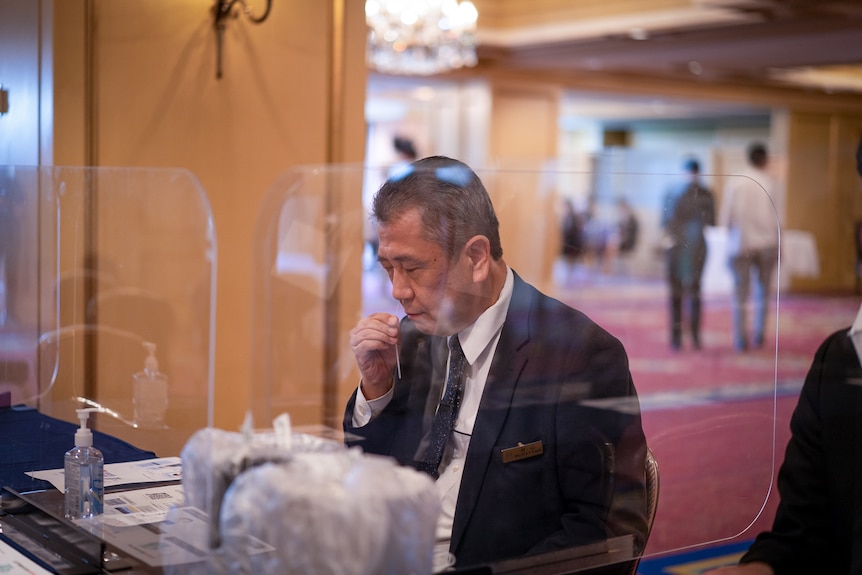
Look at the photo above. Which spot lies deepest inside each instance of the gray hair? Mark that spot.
(453, 203)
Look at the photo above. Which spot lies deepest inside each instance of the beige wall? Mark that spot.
(824, 193)
(145, 84)
(523, 136)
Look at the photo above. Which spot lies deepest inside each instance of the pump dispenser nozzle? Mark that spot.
(84, 436)
(151, 364)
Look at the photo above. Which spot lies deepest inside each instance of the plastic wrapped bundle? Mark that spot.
(331, 513)
(413, 506)
(213, 458)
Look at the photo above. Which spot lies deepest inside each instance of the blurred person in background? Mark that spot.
(572, 240)
(628, 227)
(405, 153)
(685, 216)
(749, 214)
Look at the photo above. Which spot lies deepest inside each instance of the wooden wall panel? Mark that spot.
(824, 194)
(156, 102)
(523, 137)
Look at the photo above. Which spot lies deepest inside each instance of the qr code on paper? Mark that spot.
(160, 495)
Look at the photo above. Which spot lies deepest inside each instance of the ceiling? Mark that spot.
(802, 44)
(629, 60)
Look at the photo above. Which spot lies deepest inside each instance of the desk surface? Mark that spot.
(32, 441)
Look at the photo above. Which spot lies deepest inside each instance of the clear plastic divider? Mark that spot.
(99, 265)
(707, 411)
(109, 300)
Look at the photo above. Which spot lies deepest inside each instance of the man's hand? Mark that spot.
(373, 342)
(754, 568)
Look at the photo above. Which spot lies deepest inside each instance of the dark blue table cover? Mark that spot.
(31, 441)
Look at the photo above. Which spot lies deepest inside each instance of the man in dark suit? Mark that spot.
(546, 450)
(818, 523)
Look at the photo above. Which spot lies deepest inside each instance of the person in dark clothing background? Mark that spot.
(685, 216)
(572, 239)
(629, 227)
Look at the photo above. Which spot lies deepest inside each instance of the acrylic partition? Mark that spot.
(707, 411)
(108, 296)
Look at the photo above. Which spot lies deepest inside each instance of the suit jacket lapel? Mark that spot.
(506, 367)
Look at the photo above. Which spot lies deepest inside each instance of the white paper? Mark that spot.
(180, 536)
(11, 561)
(140, 506)
(130, 473)
(151, 545)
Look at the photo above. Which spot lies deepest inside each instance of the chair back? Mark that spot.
(652, 484)
(652, 489)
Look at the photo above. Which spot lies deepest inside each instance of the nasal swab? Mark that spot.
(398, 360)
(397, 355)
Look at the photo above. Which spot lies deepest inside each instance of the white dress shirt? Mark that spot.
(750, 211)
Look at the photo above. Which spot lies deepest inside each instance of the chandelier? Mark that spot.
(420, 36)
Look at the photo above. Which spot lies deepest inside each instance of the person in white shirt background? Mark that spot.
(750, 216)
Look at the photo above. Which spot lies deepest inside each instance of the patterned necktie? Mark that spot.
(444, 420)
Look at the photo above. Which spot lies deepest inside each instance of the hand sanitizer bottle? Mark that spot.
(150, 394)
(84, 473)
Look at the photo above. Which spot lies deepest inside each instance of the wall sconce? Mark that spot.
(222, 10)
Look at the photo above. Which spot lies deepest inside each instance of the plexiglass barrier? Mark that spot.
(563, 467)
(107, 299)
(705, 406)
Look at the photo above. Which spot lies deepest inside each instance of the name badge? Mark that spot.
(522, 451)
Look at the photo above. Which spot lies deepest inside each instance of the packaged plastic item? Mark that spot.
(340, 513)
(84, 473)
(213, 458)
(150, 394)
(306, 505)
